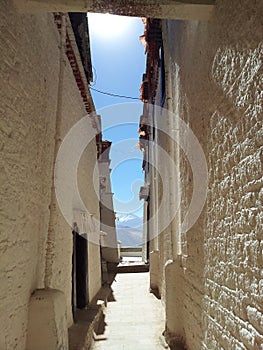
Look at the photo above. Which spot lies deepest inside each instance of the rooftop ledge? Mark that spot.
(184, 9)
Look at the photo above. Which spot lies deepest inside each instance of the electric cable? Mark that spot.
(113, 95)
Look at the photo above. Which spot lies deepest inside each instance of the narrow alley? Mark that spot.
(135, 317)
(189, 272)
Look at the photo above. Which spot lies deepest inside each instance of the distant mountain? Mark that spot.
(130, 220)
(129, 230)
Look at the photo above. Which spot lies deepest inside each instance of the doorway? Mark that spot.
(80, 297)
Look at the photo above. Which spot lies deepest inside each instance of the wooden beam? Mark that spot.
(169, 9)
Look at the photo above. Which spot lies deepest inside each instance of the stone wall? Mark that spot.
(29, 88)
(233, 241)
(220, 96)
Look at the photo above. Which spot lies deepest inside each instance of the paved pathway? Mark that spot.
(135, 320)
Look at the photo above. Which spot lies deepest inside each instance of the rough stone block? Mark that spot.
(47, 321)
(154, 269)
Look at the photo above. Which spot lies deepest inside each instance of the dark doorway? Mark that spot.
(148, 231)
(80, 296)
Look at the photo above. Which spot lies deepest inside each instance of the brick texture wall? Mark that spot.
(233, 244)
(220, 88)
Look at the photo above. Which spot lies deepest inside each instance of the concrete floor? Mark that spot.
(135, 320)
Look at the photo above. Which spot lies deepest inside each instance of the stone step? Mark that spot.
(132, 267)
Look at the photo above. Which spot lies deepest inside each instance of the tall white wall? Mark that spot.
(220, 97)
(29, 81)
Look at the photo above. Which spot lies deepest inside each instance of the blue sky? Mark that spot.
(118, 64)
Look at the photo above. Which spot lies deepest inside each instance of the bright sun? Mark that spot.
(106, 25)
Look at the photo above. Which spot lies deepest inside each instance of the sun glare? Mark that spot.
(106, 25)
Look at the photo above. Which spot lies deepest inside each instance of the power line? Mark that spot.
(113, 95)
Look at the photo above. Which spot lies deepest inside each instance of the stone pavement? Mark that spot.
(135, 317)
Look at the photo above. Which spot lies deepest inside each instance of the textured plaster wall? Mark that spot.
(28, 91)
(29, 78)
(61, 247)
(164, 231)
(89, 191)
(109, 241)
(220, 88)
